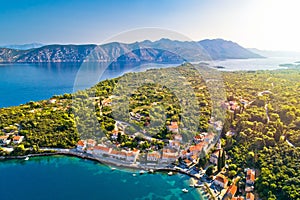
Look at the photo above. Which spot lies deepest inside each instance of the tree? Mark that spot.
(219, 164)
(209, 170)
(223, 159)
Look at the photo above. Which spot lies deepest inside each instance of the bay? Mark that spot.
(21, 83)
(61, 177)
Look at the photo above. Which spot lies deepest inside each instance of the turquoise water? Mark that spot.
(60, 177)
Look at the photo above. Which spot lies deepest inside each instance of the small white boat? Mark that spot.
(185, 190)
(170, 173)
(142, 172)
(191, 185)
(113, 169)
(27, 158)
(197, 185)
(151, 171)
(133, 174)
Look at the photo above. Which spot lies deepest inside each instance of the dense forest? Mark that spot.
(265, 122)
(267, 132)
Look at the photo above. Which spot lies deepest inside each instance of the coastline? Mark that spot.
(101, 161)
(201, 191)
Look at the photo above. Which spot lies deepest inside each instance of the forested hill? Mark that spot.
(161, 51)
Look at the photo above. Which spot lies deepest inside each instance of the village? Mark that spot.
(175, 156)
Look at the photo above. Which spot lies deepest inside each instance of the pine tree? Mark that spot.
(219, 161)
(223, 159)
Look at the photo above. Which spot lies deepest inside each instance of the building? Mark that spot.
(250, 177)
(198, 139)
(101, 149)
(238, 198)
(168, 156)
(131, 156)
(120, 155)
(18, 139)
(214, 157)
(249, 196)
(4, 140)
(230, 192)
(174, 144)
(221, 181)
(195, 149)
(178, 137)
(114, 134)
(173, 127)
(80, 145)
(90, 150)
(90, 143)
(153, 156)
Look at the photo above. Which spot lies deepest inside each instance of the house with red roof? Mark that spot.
(101, 150)
(169, 155)
(121, 155)
(131, 156)
(174, 144)
(173, 127)
(221, 181)
(250, 177)
(17, 139)
(230, 192)
(81, 145)
(90, 143)
(195, 149)
(153, 156)
(198, 138)
(249, 196)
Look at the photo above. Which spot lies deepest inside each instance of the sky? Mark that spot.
(262, 24)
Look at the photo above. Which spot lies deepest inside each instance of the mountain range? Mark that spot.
(160, 51)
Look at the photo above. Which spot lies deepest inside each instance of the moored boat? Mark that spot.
(185, 190)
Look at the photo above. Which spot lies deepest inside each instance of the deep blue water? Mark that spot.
(60, 177)
(21, 83)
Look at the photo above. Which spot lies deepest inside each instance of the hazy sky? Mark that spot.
(263, 24)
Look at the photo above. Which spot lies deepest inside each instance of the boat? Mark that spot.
(197, 185)
(27, 158)
(133, 174)
(192, 185)
(185, 190)
(151, 171)
(170, 173)
(142, 172)
(113, 168)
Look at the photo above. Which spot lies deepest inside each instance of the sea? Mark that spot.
(60, 177)
(70, 178)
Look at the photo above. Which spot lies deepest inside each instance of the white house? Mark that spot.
(169, 155)
(101, 149)
(214, 157)
(174, 144)
(4, 140)
(121, 155)
(18, 139)
(131, 156)
(153, 156)
(80, 145)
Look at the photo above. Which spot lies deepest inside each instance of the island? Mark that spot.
(252, 153)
